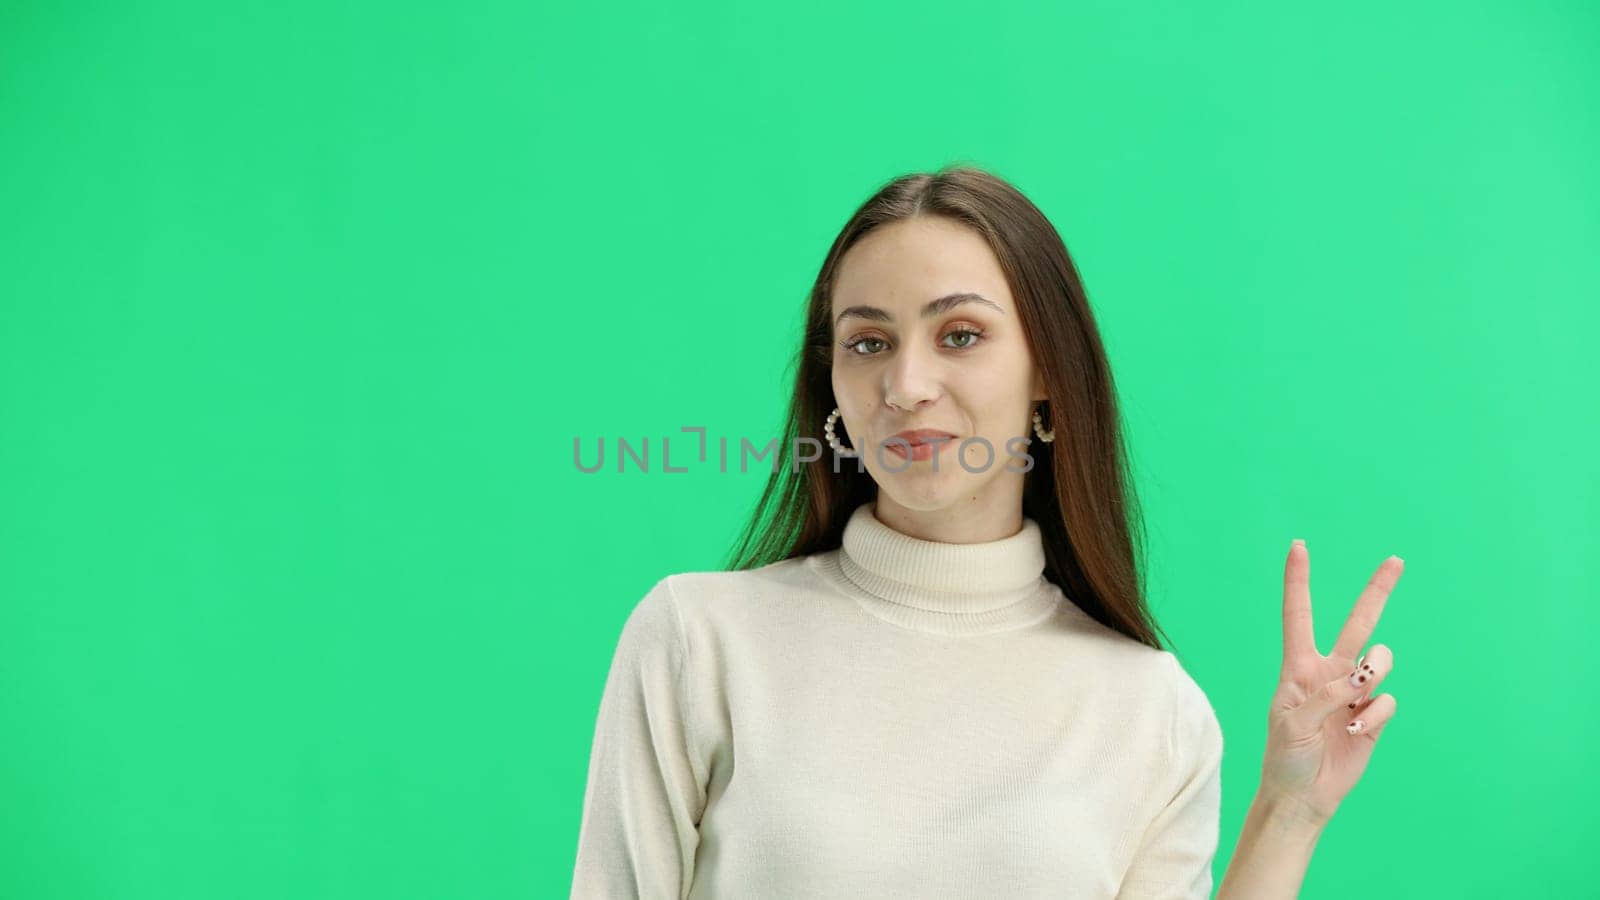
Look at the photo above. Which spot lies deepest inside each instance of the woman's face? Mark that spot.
(926, 336)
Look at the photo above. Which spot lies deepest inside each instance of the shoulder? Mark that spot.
(1157, 688)
(653, 631)
(1186, 690)
(699, 602)
(792, 571)
(703, 592)
(1130, 658)
(1145, 670)
(686, 621)
(1145, 677)
(1196, 731)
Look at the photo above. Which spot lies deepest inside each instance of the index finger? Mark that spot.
(1299, 639)
(1369, 606)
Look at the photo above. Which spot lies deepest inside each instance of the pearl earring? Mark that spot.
(1038, 428)
(834, 442)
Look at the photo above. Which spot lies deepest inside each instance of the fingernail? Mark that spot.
(1297, 541)
(1356, 727)
(1362, 675)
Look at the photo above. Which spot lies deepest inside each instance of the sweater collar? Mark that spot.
(945, 588)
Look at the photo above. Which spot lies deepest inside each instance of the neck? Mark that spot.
(939, 586)
(975, 520)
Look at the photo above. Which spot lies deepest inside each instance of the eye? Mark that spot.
(853, 344)
(972, 335)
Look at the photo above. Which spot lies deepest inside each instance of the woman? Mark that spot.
(930, 671)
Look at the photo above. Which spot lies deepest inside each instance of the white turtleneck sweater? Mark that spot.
(894, 718)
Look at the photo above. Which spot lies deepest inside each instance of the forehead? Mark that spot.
(901, 266)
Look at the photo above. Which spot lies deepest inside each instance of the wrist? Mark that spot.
(1275, 845)
(1287, 812)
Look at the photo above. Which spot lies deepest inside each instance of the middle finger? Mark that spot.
(1363, 617)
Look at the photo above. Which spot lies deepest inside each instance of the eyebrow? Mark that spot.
(933, 307)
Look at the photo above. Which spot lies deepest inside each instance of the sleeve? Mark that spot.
(1173, 861)
(644, 797)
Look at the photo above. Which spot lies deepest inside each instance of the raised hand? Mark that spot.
(1325, 719)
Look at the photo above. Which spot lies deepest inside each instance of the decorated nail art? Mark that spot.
(1356, 727)
(1363, 673)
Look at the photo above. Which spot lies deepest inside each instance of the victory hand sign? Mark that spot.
(1326, 715)
(1321, 731)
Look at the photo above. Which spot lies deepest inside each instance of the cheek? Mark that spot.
(853, 385)
(843, 388)
(851, 398)
(999, 412)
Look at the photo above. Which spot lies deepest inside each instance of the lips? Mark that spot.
(924, 444)
(917, 436)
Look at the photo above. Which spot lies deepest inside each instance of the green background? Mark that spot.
(302, 306)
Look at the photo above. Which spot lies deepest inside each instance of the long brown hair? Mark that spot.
(1079, 490)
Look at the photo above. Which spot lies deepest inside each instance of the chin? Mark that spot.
(924, 491)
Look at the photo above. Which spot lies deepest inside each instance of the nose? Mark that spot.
(910, 381)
